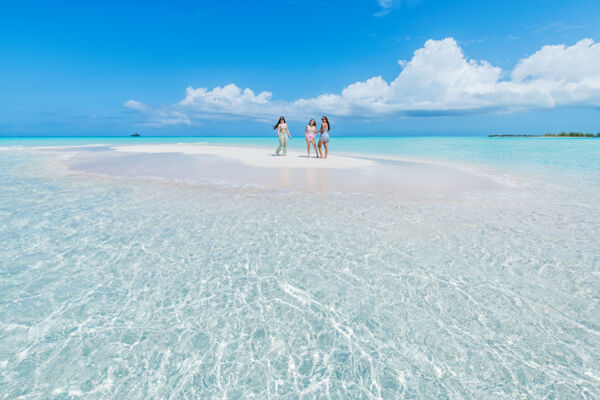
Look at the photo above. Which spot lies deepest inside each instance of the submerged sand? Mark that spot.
(259, 167)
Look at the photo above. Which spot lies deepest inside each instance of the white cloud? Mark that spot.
(134, 105)
(560, 75)
(573, 64)
(228, 101)
(224, 98)
(388, 5)
(221, 102)
(159, 116)
(438, 79)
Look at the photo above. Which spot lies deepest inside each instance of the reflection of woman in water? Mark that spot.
(310, 132)
(282, 134)
(324, 138)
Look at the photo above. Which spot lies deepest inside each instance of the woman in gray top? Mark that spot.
(324, 138)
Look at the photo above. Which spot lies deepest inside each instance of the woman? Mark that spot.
(282, 134)
(310, 132)
(324, 138)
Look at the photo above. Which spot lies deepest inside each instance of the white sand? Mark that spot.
(259, 167)
(251, 156)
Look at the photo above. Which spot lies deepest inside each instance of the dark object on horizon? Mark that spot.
(511, 135)
(136, 135)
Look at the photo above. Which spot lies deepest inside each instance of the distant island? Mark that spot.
(562, 134)
(135, 135)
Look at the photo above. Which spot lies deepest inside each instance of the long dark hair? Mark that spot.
(314, 123)
(326, 120)
(279, 121)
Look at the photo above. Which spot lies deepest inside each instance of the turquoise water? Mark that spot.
(137, 289)
(551, 155)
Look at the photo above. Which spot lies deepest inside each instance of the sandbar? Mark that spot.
(252, 156)
(262, 169)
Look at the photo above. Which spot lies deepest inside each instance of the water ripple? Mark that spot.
(124, 290)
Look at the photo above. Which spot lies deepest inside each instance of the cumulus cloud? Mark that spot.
(558, 76)
(224, 98)
(574, 63)
(438, 79)
(221, 102)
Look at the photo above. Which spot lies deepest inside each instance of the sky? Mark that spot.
(230, 68)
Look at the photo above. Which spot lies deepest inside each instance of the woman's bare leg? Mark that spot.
(320, 149)
(326, 148)
(308, 148)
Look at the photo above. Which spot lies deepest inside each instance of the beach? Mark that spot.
(261, 168)
(167, 230)
(400, 267)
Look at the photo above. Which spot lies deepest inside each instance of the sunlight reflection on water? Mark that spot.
(112, 288)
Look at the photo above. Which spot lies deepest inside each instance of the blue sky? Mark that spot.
(466, 67)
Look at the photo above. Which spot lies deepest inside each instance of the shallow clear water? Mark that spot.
(134, 289)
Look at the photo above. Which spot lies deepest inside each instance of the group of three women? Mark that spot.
(310, 133)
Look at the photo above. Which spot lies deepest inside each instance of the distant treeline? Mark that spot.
(562, 134)
(573, 134)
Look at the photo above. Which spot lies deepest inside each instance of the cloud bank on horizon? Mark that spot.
(438, 80)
